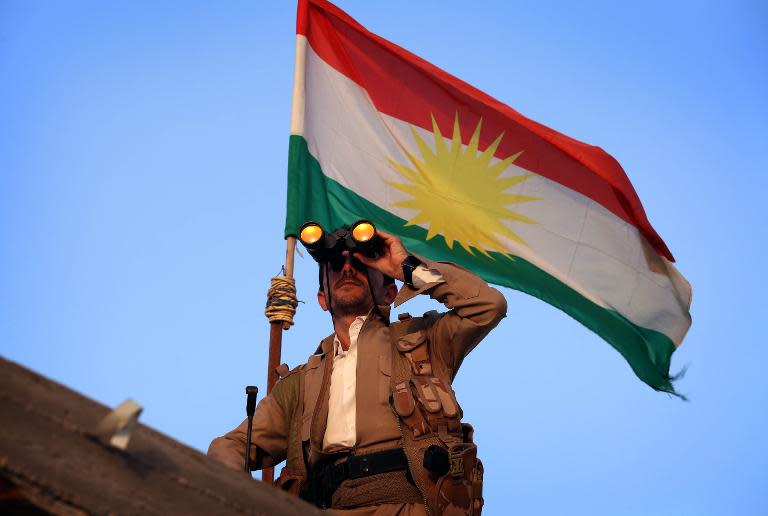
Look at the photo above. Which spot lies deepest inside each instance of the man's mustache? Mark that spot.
(348, 279)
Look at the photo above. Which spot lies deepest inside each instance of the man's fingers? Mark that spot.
(387, 237)
(390, 240)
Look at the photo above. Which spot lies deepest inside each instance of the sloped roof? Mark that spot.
(51, 463)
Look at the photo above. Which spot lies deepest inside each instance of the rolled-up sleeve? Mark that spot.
(269, 439)
(475, 309)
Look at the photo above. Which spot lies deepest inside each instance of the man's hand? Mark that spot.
(392, 255)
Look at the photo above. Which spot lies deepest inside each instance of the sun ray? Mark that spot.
(466, 247)
(457, 191)
(514, 216)
(412, 204)
(515, 198)
(455, 141)
(421, 218)
(440, 148)
(507, 182)
(412, 175)
(488, 153)
(406, 188)
(474, 141)
(426, 152)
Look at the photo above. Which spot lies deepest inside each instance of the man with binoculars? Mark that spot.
(370, 424)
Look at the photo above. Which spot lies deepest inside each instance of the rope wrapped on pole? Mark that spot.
(281, 301)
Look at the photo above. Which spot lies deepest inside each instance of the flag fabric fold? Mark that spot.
(381, 134)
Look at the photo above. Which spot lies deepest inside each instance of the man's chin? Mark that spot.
(351, 304)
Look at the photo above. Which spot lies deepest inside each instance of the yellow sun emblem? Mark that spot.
(460, 193)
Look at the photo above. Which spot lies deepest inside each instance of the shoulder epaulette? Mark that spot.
(283, 372)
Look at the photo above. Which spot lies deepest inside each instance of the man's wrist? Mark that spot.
(408, 266)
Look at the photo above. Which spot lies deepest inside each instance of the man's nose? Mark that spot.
(347, 268)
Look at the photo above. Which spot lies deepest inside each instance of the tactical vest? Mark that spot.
(442, 458)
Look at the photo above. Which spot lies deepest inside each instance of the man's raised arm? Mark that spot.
(475, 307)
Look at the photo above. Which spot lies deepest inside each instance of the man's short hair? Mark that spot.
(321, 276)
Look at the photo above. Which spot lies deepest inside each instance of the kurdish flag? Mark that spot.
(381, 134)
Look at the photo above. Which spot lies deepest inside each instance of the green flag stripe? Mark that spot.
(313, 196)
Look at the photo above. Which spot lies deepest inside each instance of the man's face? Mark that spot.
(350, 294)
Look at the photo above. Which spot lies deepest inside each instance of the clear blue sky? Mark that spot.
(143, 150)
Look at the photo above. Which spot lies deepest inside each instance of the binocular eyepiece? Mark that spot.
(361, 237)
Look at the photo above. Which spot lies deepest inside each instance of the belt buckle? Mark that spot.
(358, 466)
(365, 465)
(457, 464)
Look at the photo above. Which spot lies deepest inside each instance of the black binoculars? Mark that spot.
(324, 247)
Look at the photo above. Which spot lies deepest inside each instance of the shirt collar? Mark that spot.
(338, 350)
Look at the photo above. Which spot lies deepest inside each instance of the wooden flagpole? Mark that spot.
(275, 345)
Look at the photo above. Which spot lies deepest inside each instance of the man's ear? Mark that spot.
(322, 301)
(390, 293)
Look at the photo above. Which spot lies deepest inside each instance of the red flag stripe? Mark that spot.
(404, 86)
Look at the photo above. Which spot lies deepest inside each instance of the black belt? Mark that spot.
(358, 466)
(325, 480)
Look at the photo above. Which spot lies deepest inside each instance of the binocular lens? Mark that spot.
(363, 231)
(310, 234)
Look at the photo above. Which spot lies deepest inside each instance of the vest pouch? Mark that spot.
(410, 341)
(447, 398)
(402, 400)
(427, 394)
(414, 347)
(404, 405)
